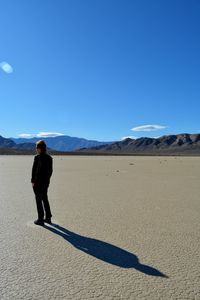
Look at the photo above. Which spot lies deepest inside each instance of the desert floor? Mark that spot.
(123, 228)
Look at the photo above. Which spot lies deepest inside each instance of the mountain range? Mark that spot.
(179, 144)
(62, 143)
(7, 146)
(184, 143)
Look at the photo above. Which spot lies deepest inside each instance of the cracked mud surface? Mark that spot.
(123, 228)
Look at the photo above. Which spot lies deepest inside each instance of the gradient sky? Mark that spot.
(98, 68)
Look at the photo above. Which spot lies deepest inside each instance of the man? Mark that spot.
(42, 170)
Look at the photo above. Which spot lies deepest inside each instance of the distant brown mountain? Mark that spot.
(183, 144)
(180, 144)
(7, 146)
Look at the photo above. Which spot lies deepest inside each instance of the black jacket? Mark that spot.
(42, 168)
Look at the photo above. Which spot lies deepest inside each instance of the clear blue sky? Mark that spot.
(98, 68)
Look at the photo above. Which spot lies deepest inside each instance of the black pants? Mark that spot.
(41, 198)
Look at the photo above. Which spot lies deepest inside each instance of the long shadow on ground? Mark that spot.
(104, 251)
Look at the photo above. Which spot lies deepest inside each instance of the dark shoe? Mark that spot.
(39, 222)
(47, 220)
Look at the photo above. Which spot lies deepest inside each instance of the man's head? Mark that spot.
(41, 147)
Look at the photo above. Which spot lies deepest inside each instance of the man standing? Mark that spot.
(42, 170)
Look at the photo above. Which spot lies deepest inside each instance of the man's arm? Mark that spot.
(50, 167)
(34, 168)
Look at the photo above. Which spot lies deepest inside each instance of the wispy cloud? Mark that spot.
(148, 128)
(6, 67)
(25, 135)
(42, 134)
(49, 134)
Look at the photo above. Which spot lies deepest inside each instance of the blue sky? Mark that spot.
(99, 68)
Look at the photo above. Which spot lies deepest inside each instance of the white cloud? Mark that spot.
(42, 134)
(130, 136)
(49, 134)
(25, 135)
(6, 67)
(148, 128)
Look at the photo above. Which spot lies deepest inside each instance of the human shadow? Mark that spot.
(104, 251)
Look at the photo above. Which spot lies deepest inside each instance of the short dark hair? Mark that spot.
(41, 145)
